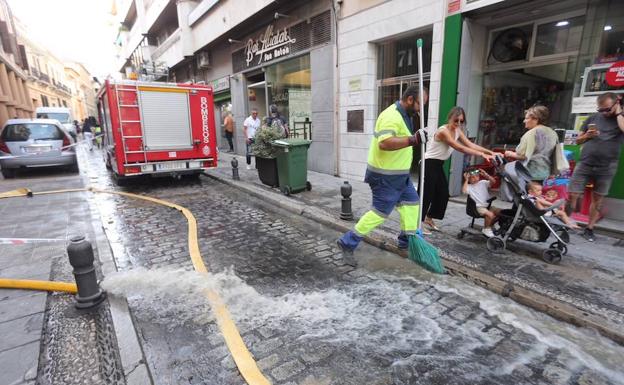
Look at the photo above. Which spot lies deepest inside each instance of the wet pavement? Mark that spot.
(306, 317)
(589, 278)
(45, 340)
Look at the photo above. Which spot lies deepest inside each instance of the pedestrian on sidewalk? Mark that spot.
(275, 119)
(250, 126)
(87, 133)
(440, 147)
(228, 126)
(388, 173)
(602, 137)
(537, 144)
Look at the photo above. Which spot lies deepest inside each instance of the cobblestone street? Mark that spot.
(309, 319)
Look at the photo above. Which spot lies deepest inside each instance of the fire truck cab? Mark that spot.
(157, 128)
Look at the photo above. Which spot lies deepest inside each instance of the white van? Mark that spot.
(62, 114)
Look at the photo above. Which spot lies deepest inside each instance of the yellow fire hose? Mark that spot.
(241, 355)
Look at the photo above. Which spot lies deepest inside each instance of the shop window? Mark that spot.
(397, 67)
(400, 57)
(559, 37)
(288, 86)
(509, 44)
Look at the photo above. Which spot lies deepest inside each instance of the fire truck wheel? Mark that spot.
(120, 180)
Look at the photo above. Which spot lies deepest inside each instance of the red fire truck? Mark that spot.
(157, 128)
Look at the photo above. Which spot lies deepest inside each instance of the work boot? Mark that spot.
(347, 254)
(403, 242)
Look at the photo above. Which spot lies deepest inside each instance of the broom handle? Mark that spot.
(421, 183)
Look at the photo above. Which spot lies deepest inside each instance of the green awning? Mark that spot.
(222, 96)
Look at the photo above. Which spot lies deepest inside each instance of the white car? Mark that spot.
(28, 143)
(62, 114)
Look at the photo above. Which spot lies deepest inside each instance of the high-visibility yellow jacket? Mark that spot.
(398, 162)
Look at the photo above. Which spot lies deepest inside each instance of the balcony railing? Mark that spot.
(44, 77)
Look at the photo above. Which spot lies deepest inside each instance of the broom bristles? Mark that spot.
(425, 254)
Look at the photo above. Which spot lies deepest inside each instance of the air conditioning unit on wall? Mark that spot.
(203, 59)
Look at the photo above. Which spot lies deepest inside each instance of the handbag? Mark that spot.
(558, 161)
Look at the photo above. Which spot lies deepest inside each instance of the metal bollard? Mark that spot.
(235, 175)
(346, 212)
(80, 255)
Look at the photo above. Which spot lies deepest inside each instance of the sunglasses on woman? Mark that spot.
(460, 121)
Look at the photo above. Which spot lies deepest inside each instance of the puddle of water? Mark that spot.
(389, 317)
(587, 346)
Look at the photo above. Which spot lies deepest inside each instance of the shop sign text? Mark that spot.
(615, 74)
(268, 46)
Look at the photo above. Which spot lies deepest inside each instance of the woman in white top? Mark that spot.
(441, 144)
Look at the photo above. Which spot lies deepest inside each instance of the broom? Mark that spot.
(419, 250)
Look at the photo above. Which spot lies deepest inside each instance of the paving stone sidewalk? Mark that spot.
(589, 277)
(45, 340)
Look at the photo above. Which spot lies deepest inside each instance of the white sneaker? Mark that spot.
(248, 167)
(487, 231)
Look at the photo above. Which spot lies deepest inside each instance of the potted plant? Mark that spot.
(265, 154)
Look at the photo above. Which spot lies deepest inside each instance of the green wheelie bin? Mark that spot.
(292, 165)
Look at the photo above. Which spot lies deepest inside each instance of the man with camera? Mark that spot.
(602, 136)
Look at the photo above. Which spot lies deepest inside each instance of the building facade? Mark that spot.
(46, 75)
(258, 53)
(377, 61)
(15, 100)
(83, 90)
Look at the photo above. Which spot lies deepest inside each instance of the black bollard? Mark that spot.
(346, 212)
(235, 175)
(80, 255)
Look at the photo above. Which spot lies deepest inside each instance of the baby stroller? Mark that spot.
(524, 220)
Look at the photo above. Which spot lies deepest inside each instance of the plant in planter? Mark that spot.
(265, 154)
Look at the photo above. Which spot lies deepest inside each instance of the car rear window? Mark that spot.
(34, 131)
(60, 116)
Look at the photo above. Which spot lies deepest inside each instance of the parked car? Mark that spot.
(27, 143)
(62, 114)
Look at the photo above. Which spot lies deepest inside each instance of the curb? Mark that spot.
(133, 360)
(535, 300)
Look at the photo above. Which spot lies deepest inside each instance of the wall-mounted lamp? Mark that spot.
(278, 15)
(232, 41)
(608, 28)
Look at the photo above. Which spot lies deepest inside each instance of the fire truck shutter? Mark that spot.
(165, 119)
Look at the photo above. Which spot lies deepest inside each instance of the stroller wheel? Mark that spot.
(559, 246)
(495, 244)
(552, 256)
(563, 234)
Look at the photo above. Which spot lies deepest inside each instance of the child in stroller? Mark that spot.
(525, 220)
(479, 191)
(535, 195)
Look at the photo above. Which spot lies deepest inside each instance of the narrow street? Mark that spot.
(305, 316)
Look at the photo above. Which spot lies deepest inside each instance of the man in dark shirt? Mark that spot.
(602, 138)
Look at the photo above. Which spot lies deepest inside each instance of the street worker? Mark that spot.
(388, 173)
